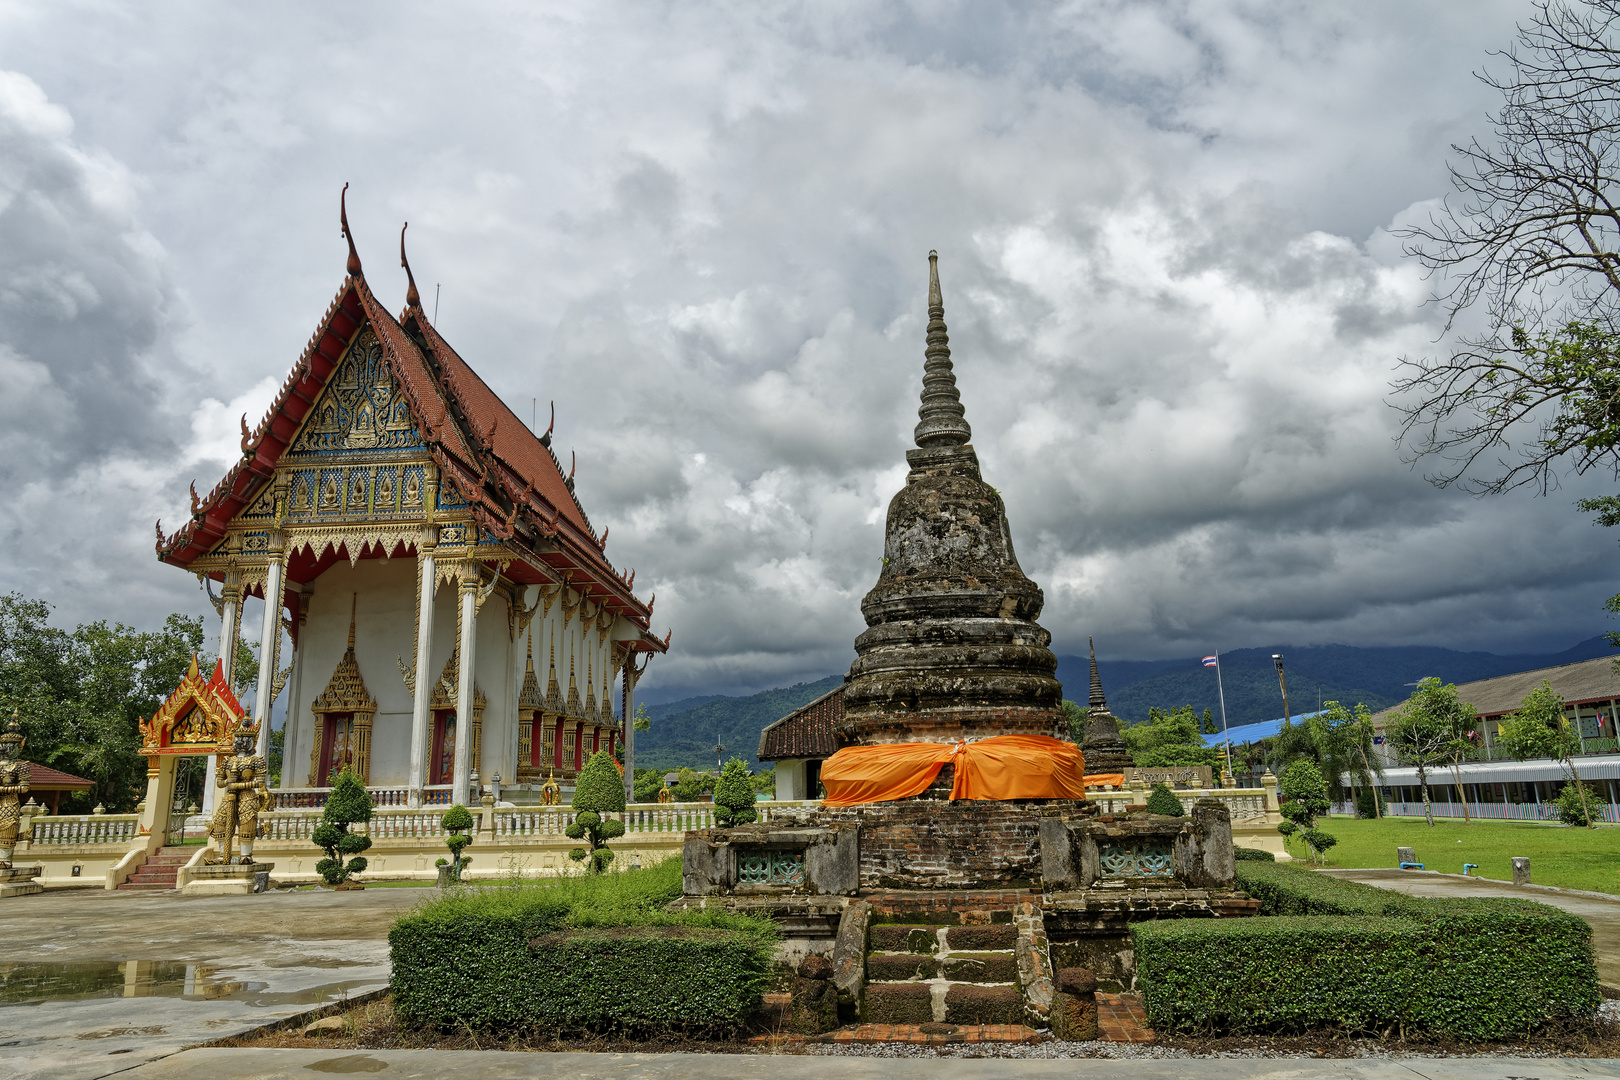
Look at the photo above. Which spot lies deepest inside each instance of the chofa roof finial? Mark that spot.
(942, 417)
(343, 217)
(412, 297)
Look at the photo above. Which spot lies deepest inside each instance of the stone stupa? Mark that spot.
(1104, 750)
(952, 649)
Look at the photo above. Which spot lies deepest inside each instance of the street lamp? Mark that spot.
(1282, 681)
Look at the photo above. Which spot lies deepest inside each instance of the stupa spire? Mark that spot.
(942, 419)
(1096, 679)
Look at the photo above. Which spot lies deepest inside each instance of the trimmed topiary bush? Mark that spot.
(599, 790)
(1331, 953)
(734, 796)
(458, 822)
(1161, 800)
(579, 955)
(348, 804)
(1251, 854)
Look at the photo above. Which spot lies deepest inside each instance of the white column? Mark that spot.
(267, 643)
(229, 628)
(466, 645)
(295, 693)
(424, 662)
(628, 712)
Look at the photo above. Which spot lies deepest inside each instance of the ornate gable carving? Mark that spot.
(200, 717)
(444, 691)
(346, 691)
(361, 408)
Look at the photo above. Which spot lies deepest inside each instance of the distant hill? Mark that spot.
(1377, 676)
(683, 732)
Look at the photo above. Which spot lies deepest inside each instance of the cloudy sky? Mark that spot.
(702, 230)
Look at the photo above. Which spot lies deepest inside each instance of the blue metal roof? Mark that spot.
(1248, 733)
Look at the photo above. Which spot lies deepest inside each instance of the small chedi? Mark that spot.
(955, 871)
(14, 778)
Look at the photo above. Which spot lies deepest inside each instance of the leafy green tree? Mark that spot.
(598, 791)
(1306, 792)
(648, 784)
(457, 822)
(1344, 740)
(1169, 739)
(1574, 804)
(1431, 729)
(734, 796)
(1076, 717)
(690, 785)
(1539, 729)
(347, 804)
(1161, 800)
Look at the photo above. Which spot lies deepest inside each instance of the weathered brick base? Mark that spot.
(925, 844)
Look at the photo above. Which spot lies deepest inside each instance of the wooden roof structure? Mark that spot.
(509, 479)
(806, 732)
(1584, 683)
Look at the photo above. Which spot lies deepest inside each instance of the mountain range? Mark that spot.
(685, 732)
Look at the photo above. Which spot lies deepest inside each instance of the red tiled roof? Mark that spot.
(509, 477)
(49, 779)
(807, 732)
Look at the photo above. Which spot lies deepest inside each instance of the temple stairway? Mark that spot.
(160, 871)
(927, 974)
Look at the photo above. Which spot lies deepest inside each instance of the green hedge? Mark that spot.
(578, 955)
(1366, 960)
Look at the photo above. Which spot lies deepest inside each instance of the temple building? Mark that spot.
(455, 621)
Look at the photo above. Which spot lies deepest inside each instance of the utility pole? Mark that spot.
(1282, 681)
(718, 751)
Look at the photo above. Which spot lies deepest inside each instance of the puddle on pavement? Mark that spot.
(36, 983)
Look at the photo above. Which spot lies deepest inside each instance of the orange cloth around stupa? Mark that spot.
(998, 768)
(1105, 779)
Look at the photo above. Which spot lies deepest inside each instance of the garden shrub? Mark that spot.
(1365, 807)
(581, 954)
(1161, 800)
(1251, 854)
(1572, 809)
(1339, 954)
(599, 790)
(458, 822)
(348, 804)
(734, 796)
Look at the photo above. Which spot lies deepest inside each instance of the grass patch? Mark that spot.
(1559, 855)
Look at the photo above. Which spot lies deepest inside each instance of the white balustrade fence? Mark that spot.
(84, 829)
(381, 797)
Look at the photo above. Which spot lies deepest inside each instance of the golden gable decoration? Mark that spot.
(200, 717)
(444, 698)
(348, 706)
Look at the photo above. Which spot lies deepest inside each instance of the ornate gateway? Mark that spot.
(200, 717)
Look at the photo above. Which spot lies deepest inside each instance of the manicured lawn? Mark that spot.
(1572, 858)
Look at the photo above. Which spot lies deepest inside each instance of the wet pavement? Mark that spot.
(500, 1065)
(1601, 912)
(94, 983)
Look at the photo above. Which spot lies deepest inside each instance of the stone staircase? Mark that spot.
(929, 974)
(160, 871)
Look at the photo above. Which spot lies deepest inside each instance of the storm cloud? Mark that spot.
(702, 231)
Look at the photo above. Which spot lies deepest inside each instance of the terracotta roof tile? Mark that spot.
(43, 776)
(807, 732)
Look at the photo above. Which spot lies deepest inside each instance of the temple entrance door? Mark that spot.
(337, 745)
(190, 778)
(442, 765)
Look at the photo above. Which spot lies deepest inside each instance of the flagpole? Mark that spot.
(1221, 689)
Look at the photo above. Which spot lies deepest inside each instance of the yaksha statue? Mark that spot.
(240, 778)
(14, 778)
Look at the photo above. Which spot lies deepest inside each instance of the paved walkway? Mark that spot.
(1122, 1018)
(1602, 913)
(496, 1065)
(203, 967)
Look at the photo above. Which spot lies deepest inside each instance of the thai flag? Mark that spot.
(1212, 661)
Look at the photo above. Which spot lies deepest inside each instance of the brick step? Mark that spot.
(998, 966)
(924, 938)
(147, 885)
(961, 1003)
(167, 860)
(917, 1034)
(150, 875)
